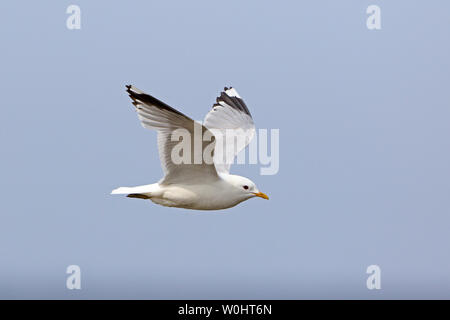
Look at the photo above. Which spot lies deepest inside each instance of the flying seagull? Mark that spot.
(193, 184)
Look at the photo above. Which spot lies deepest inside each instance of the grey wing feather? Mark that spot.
(231, 123)
(155, 114)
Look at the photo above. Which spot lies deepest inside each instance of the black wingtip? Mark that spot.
(232, 101)
(140, 98)
(138, 196)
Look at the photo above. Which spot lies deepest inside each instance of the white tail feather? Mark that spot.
(122, 190)
(146, 189)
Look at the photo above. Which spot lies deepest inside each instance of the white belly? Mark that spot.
(198, 197)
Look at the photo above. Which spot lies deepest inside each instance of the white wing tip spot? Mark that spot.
(232, 92)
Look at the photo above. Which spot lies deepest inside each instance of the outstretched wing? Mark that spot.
(232, 125)
(173, 127)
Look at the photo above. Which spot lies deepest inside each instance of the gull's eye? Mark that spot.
(245, 187)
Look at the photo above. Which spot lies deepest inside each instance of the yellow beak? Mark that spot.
(261, 195)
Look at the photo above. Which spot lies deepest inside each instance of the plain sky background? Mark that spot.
(364, 149)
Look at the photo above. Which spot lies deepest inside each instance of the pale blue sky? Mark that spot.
(364, 149)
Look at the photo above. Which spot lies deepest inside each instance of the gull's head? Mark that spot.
(245, 188)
